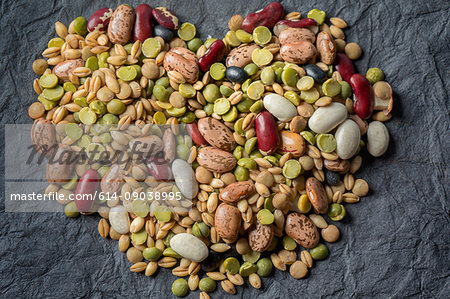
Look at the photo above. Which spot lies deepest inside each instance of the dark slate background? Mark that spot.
(395, 242)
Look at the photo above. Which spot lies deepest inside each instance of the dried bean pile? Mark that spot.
(276, 116)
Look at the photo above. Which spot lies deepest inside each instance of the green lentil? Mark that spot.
(265, 267)
(289, 243)
(180, 287)
(255, 154)
(186, 90)
(247, 163)
(247, 268)
(98, 107)
(69, 86)
(251, 69)
(200, 229)
(292, 169)
(127, 73)
(140, 208)
(170, 252)
(305, 83)
(110, 119)
(217, 71)
(326, 142)
(261, 57)
(139, 237)
(187, 31)
(304, 205)
(374, 75)
(209, 109)
(81, 101)
(273, 244)
(241, 173)
(244, 36)
(231, 115)
(336, 212)
(209, 41)
(87, 116)
(317, 15)
(289, 76)
(320, 252)
(255, 90)
(207, 284)
(268, 204)
(245, 104)
(116, 107)
(163, 213)
(80, 26)
(103, 170)
(238, 126)
(265, 217)
(293, 97)
(238, 152)
(346, 90)
(257, 107)
(183, 151)
(231, 39)
(71, 210)
(221, 106)
(310, 96)
(151, 47)
(160, 93)
(55, 42)
(308, 136)
(188, 117)
(331, 88)
(272, 159)
(211, 92)
(194, 44)
(231, 265)
(92, 63)
(106, 138)
(246, 84)
(53, 94)
(48, 81)
(168, 238)
(252, 256)
(225, 90)
(73, 131)
(262, 35)
(250, 144)
(84, 141)
(268, 75)
(102, 59)
(71, 184)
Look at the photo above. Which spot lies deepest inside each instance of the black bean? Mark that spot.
(332, 178)
(236, 74)
(165, 33)
(315, 72)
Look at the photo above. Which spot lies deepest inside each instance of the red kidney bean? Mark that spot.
(344, 66)
(84, 194)
(166, 18)
(267, 133)
(364, 97)
(100, 19)
(195, 134)
(159, 169)
(214, 53)
(143, 27)
(268, 17)
(303, 23)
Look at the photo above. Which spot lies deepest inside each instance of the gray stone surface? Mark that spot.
(395, 242)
